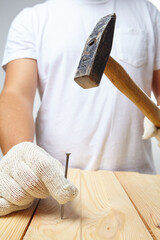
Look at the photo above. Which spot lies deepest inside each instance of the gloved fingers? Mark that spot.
(66, 191)
(6, 207)
(158, 136)
(46, 168)
(29, 181)
(58, 186)
(50, 171)
(12, 191)
(149, 129)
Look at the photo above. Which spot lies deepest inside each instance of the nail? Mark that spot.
(66, 171)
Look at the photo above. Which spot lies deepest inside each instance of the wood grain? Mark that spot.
(144, 191)
(110, 206)
(47, 223)
(14, 225)
(107, 212)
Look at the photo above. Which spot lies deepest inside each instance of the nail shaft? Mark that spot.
(66, 171)
(62, 211)
(67, 161)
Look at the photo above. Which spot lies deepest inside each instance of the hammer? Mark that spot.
(96, 60)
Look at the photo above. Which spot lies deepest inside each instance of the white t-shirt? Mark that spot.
(99, 126)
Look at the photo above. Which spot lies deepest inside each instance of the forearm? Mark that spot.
(158, 100)
(16, 120)
(156, 85)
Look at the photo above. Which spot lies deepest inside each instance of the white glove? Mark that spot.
(150, 130)
(28, 172)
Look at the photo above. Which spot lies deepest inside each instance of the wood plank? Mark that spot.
(107, 212)
(144, 191)
(14, 225)
(47, 223)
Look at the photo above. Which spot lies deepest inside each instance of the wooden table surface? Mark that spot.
(110, 206)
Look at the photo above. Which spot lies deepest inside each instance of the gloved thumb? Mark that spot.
(58, 186)
(149, 129)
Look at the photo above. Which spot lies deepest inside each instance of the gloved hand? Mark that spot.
(150, 130)
(28, 172)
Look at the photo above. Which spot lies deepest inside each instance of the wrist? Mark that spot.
(158, 101)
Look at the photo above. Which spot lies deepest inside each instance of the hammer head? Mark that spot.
(96, 53)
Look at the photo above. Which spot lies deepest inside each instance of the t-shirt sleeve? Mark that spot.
(21, 38)
(155, 15)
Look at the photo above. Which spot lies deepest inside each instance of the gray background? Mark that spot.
(8, 10)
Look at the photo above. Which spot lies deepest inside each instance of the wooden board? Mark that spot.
(144, 192)
(47, 223)
(14, 226)
(104, 212)
(107, 212)
(110, 206)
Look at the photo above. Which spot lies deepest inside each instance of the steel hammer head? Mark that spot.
(96, 53)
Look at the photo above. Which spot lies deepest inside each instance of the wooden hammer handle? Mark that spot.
(120, 78)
